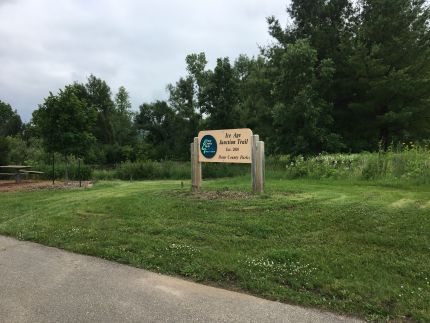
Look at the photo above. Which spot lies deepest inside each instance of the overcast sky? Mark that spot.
(46, 44)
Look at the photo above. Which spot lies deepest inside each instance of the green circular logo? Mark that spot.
(208, 146)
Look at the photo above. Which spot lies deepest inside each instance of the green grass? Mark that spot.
(354, 247)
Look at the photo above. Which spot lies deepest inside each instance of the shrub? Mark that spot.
(408, 162)
(147, 169)
(60, 171)
(4, 150)
(152, 170)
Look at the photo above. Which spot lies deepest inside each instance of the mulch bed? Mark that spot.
(214, 195)
(27, 185)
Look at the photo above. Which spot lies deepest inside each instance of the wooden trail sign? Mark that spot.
(225, 146)
(228, 146)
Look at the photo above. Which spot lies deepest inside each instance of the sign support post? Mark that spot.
(254, 143)
(257, 165)
(260, 168)
(196, 166)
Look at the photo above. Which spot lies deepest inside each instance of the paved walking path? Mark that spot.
(43, 284)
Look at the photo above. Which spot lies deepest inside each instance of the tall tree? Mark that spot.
(157, 122)
(324, 22)
(4, 150)
(196, 67)
(122, 101)
(302, 118)
(183, 100)
(255, 99)
(100, 98)
(10, 121)
(186, 99)
(390, 63)
(122, 122)
(64, 121)
(221, 97)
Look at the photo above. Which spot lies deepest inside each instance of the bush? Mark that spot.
(86, 172)
(24, 152)
(408, 162)
(146, 169)
(153, 170)
(4, 150)
(104, 174)
(219, 170)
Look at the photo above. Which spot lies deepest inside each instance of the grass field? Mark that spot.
(353, 247)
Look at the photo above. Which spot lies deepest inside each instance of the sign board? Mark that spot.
(225, 146)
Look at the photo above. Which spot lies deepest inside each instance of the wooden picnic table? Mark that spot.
(18, 170)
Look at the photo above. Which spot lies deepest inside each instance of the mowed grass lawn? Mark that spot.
(352, 247)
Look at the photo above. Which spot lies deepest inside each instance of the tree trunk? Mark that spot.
(53, 168)
(66, 175)
(383, 130)
(383, 138)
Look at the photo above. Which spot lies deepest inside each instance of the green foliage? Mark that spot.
(82, 120)
(99, 94)
(157, 125)
(73, 172)
(65, 121)
(221, 97)
(220, 170)
(62, 171)
(4, 150)
(390, 60)
(10, 121)
(183, 98)
(324, 23)
(29, 152)
(122, 101)
(117, 153)
(124, 131)
(408, 163)
(380, 53)
(302, 118)
(255, 97)
(152, 170)
(147, 169)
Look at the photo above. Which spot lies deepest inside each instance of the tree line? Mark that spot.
(343, 76)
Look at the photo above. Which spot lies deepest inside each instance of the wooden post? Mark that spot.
(254, 143)
(196, 167)
(259, 165)
(192, 164)
(263, 164)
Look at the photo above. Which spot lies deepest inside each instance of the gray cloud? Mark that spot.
(46, 44)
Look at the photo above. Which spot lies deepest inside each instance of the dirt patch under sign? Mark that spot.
(25, 186)
(214, 195)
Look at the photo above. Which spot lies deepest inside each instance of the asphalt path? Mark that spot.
(43, 284)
